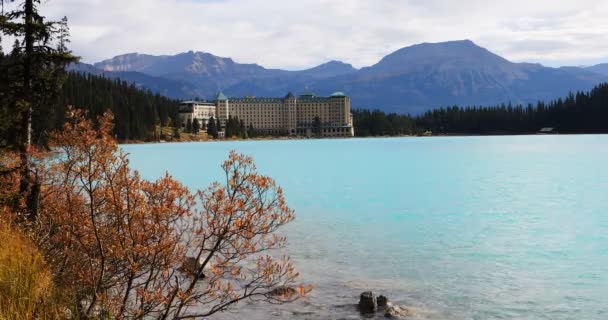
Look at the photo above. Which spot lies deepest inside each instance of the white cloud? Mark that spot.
(302, 33)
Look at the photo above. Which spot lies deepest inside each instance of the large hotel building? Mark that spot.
(291, 115)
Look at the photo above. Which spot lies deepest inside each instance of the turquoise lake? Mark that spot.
(507, 227)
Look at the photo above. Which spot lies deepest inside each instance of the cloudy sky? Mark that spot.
(296, 34)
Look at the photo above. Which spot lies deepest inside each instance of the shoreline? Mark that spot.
(136, 142)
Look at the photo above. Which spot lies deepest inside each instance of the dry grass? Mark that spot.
(184, 137)
(26, 285)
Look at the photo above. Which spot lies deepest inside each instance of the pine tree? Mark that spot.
(196, 126)
(36, 72)
(242, 130)
(63, 35)
(189, 126)
(229, 127)
(251, 131)
(212, 128)
(316, 126)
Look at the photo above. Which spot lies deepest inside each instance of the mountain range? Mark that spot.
(412, 80)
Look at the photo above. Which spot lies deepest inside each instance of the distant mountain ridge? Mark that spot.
(166, 87)
(600, 68)
(413, 79)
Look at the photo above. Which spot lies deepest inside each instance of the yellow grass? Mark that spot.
(168, 131)
(26, 286)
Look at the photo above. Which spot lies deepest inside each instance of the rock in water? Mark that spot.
(286, 292)
(397, 312)
(382, 301)
(368, 303)
(191, 266)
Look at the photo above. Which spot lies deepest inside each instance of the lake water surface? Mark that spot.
(456, 228)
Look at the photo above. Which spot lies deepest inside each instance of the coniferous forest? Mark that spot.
(583, 112)
(136, 111)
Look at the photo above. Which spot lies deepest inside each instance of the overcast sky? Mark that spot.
(296, 34)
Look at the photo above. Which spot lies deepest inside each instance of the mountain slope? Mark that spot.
(410, 80)
(175, 89)
(420, 77)
(600, 69)
(442, 57)
(212, 73)
(329, 69)
(208, 73)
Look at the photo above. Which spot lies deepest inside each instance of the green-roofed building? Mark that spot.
(220, 97)
(302, 115)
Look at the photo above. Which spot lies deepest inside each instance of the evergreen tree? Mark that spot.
(36, 68)
(242, 130)
(189, 126)
(196, 126)
(212, 128)
(228, 128)
(251, 131)
(317, 126)
(235, 127)
(231, 129)
(34, 75)
(63, 35)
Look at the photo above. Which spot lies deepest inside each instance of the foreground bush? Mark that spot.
(126, 247)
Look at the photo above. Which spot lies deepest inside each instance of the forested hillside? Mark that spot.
(583, 112)
(136, 111)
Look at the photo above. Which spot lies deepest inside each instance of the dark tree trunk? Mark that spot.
(27, 180)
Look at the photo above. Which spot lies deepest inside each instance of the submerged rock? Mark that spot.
(368, 302)
(394, 311)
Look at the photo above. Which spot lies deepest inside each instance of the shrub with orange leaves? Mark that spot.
(119, 241)
(234, 230)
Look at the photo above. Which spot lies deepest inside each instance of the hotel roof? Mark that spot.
(196, 102)
(304, 96)
(221, 97)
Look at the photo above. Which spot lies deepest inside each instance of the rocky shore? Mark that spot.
(370, 305)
